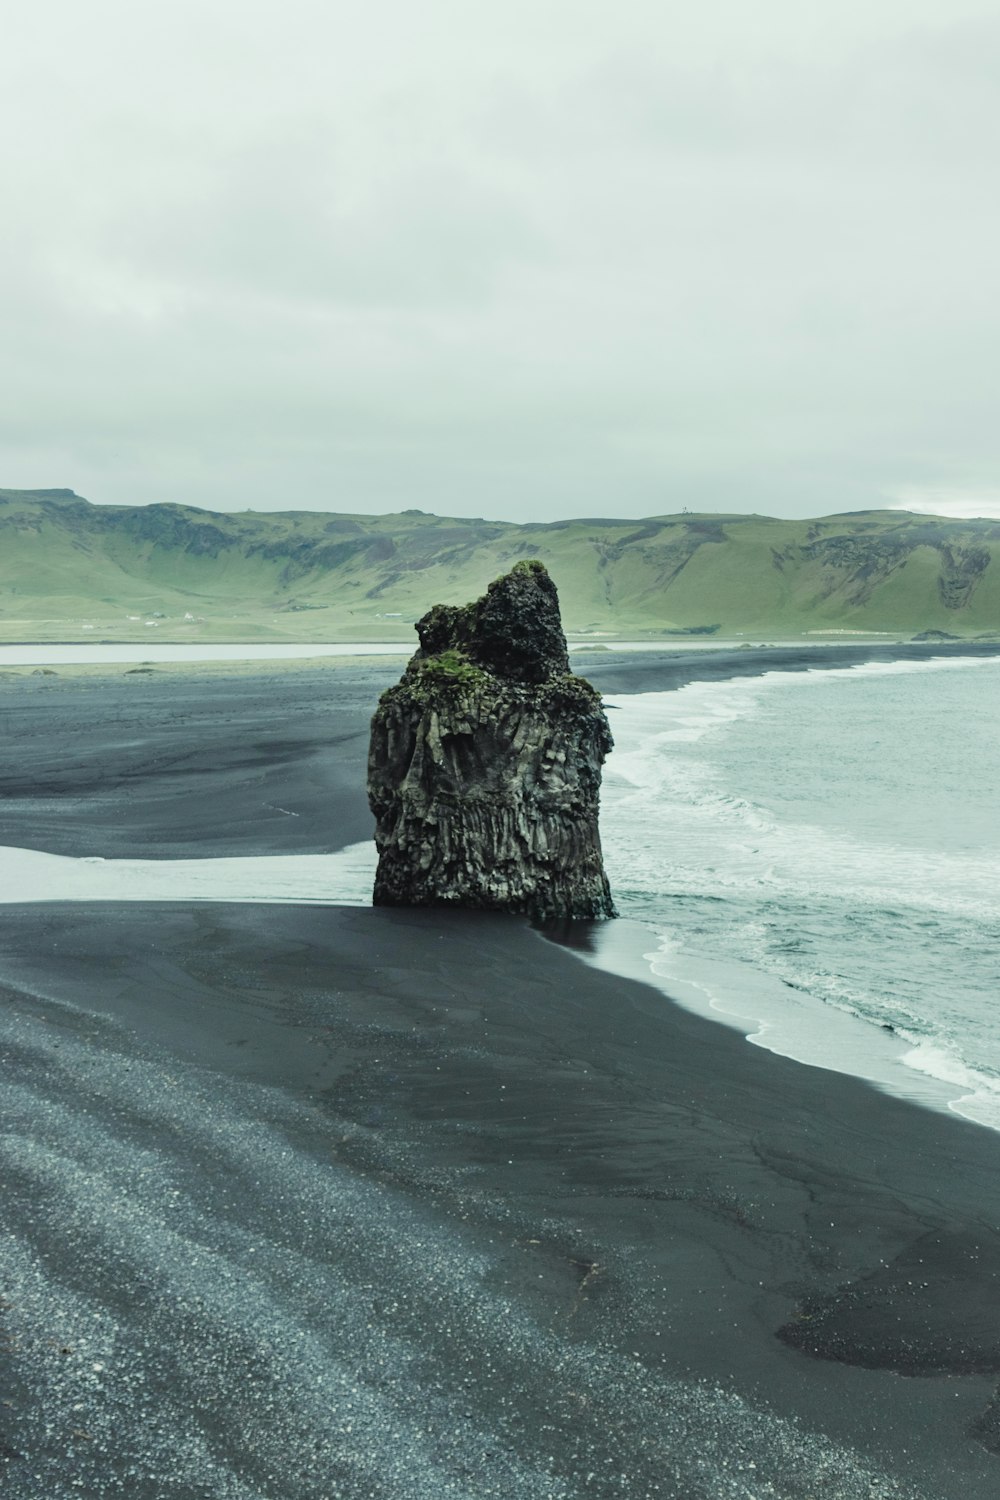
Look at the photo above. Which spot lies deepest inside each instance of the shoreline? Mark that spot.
(619, 1240)
(623, 951)
(774, 1005)
(177, 871)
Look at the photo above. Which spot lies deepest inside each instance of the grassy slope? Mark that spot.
(309, 575)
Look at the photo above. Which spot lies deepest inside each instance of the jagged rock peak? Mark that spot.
(514, 630)
(484, 770)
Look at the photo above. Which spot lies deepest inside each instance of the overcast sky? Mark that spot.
(513, 258)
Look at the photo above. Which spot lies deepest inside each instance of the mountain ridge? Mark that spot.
(69, 568)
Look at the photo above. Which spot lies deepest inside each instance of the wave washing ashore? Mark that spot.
(817, 854)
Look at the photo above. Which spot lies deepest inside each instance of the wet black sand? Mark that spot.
(304, 1202)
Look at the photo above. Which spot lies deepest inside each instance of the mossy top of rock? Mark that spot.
(513, 631)
(435, 680)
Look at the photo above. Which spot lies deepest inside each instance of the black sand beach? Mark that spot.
(314, 1202)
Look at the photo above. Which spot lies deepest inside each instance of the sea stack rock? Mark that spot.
(484, 771)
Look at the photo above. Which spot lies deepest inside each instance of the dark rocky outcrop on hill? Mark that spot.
(485, 764)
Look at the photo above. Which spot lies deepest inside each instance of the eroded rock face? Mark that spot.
(484, 771)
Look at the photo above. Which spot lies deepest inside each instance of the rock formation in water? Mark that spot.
(484, 771)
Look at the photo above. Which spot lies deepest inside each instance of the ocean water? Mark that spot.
(818, 856)
(815, 856)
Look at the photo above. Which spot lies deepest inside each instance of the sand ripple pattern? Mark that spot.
(201, 1302)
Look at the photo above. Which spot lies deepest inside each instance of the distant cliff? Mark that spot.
(485, 764)
(67, 567)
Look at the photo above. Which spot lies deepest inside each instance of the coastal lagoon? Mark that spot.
(41, 654)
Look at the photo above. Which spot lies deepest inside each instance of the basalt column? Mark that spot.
(484, 771)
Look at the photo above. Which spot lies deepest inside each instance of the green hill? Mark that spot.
(70, 570)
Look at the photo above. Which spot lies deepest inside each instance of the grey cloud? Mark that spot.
(521, 260)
